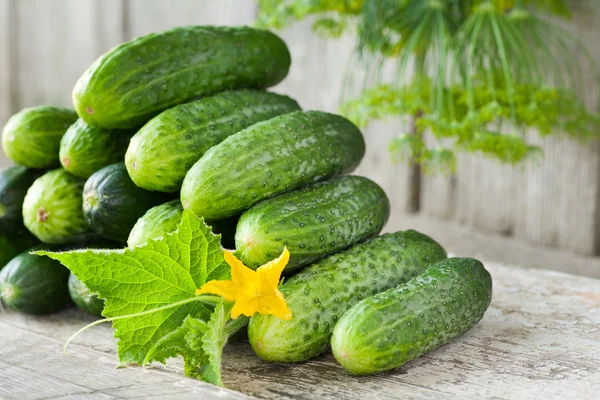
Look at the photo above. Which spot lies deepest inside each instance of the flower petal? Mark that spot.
(226, 289)
(270, 273)
(274, 304)
(240, 274)
(245, 306)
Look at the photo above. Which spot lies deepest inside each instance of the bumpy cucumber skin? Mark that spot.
(165, 218)
(270, 158)
(84, 149)
(32, 136)
(154, 163)
(136, 80)
(14, 182)
(52, 208)
(13, 243)
(112, 203)
(312, 222)
(81, 296)
(320, 294)
(391, 328)
(35, 285)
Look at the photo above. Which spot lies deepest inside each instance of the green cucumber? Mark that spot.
(312, 222)
(270, 158)
(13, 243)
(112, 203)
(391, 328)
(14, 182)
(32, 136)
(52, 208)
(162, 152)
(81, 296)
(320, 294)
(136, 80)
(34, 285)
(165, 218)
(84, 149)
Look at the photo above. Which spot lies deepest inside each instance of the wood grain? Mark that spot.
(540, 338)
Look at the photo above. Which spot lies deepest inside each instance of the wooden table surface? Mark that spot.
(540, 338)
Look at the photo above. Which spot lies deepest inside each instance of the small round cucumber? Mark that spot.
(90, 303)
(393, 327)
(84, 149)
(112, 203)
(312, 222)
(320, 294)
(14, 182)
(32, 136)
(35, 285)
(52, 208)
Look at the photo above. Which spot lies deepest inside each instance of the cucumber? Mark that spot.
(270, 158)
(312, 222)
(13, 243)
(81, 296)
(34, 285)
(320, 294)
(112, 203)
(391, 328)
(136, 80)
(52, 208)
(32, 136)
(84, 149)
(165, 218)
(162, 152)
(14, 182)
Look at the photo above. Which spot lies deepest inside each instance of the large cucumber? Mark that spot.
(269, 158)
(162, 152)
(84, 149)
(32, 136)
(136, 80)
(34, 285)
(52, 208)
(165, 218)
(320, 294)
(112, 203)
(387, 330)
(14, 182)
(312, 222)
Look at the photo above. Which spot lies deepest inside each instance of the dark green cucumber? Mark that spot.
(32, 136)
(136, 80)
(387, 330)
(165, 218)
(34, 285)
(270, 158)
(320, 294)
(13, 243)
(84, 149)
(81, 296)
(14, 182)
(312, 222)
(52, 208)
(112, 203)
(162, 152)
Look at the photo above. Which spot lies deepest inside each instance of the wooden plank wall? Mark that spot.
(46, 44)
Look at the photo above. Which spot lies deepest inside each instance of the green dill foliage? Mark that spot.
(484, 72)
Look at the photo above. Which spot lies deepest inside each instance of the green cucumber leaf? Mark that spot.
(147, 281)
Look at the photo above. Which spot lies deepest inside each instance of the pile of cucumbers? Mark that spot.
(181, 120)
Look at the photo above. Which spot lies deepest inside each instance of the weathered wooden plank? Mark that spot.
(56, 40)
(146, 16)
(539, 338)
(6, 66)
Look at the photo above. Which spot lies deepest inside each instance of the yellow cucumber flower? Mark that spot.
(252, 291)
